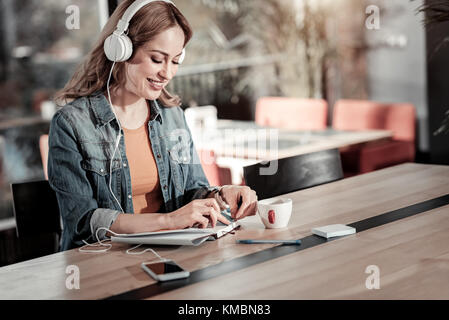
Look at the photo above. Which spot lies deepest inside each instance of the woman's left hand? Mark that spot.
(241, 199)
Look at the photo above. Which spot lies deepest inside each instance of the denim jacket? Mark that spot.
(82, 140)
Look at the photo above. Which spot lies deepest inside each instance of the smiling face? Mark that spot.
(154, 64)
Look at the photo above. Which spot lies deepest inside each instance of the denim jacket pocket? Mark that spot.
(101, 167)
(98, 174)
(178, 146)
(176, 172)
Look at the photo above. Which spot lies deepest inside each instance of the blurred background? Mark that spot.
(242, 50)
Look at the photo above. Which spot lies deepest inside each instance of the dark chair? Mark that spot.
(293, 173)
(38, 223)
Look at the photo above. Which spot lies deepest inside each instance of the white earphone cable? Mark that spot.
(119, 136)
(142, 252)
(101, 243)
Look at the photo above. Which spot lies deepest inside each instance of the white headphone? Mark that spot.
(118, 47)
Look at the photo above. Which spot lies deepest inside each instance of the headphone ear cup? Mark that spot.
(128, 45)
(117, 48)
(182, 56)
(113, 48)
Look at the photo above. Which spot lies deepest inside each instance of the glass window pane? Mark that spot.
(41, 43)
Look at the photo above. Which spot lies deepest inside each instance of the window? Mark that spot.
(41, 44)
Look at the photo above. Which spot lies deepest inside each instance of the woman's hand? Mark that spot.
(241, 199)
(197, 212)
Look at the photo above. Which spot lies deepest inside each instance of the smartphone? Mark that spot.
(164, 270)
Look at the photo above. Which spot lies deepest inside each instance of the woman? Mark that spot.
(155, 172)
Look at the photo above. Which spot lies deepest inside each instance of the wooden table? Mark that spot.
(411, 253)
(237, 144)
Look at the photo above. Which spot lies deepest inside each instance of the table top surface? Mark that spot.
(247, 140)
(411, 253)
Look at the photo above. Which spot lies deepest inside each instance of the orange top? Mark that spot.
(147, 195)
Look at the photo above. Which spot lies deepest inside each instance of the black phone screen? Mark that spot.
(164, 267)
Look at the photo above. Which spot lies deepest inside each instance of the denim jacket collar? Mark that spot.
(155, 111)
(104, 114)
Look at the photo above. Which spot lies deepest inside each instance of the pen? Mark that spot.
(249, 241)
(227, 213)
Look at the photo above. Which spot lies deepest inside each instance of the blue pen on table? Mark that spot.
(255, 241)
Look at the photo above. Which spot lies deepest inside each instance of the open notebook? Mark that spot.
(189, 237)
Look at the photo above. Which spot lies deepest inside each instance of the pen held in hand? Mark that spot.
(286, 242)
(226, 208)
(227, 214)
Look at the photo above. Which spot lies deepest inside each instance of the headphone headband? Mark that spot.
(123, 23)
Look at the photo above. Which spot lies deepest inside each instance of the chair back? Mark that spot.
(204, 117)
(292, 113)
(38, 222)
(293, 173)
(216, 175)
(210, 167)
(363, 115)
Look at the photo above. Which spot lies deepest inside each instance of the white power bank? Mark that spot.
(333, 230)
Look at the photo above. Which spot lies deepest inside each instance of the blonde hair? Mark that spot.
(92, 74)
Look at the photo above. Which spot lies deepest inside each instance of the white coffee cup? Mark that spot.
(275, 212)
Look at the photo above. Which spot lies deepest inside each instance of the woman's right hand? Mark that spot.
(197, 212)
